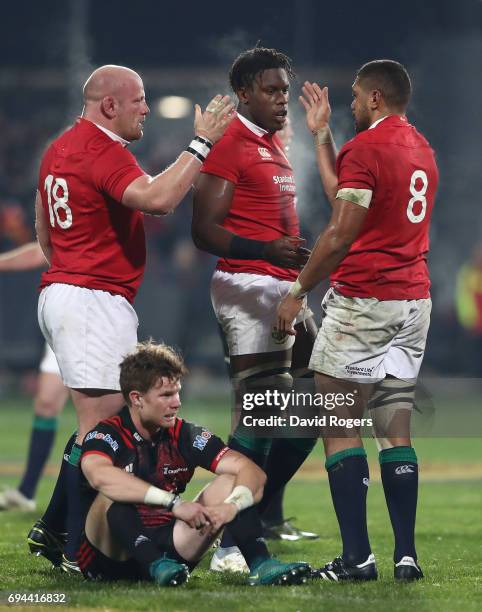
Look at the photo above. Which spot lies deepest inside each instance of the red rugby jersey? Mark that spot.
(96, 241)
(263, 206)
(388, 260)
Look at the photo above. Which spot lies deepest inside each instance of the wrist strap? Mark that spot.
(204, 140)
(297, 290)
(159, 497)
(244, 248)
(200, 148)
(241, 497)
(323, 136)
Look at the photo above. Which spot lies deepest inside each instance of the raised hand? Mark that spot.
(213, 122)
(317, 106)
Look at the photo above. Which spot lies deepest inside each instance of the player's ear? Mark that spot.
(109, 106)
(375, 99)
(135, 399)
(243, 95)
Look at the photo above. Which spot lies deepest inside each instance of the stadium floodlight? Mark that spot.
(174, 107)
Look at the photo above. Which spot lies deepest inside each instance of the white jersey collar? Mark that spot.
(112, 135)
(259, 131)
(375, 123)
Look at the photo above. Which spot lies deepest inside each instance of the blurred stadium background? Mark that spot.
(48, 48)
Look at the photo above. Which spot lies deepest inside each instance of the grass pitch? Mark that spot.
(449, 536)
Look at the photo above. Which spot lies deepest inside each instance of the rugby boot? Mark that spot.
(286, 531)
(228, 559)
(274, 572)
(13, 499)
(46, 542)
(167, 572)
(407, 569)
(338, 570)
(68, 566)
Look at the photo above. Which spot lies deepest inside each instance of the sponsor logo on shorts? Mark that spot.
(107, 438)
(366, 481)
(264, 153)
(403, 469)
(279, 337)
(129, 468)
(358, 371)
(201, 440)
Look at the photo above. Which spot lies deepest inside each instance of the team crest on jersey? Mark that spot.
(265, 154)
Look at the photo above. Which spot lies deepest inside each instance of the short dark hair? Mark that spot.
(391, 78)
(149, 363)
(247, 66)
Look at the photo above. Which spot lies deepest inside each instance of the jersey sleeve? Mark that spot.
(103, 440)
(224, 160)
(114, 170)
(357, 171)
(200, 447)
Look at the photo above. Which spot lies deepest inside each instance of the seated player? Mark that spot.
(137, 464)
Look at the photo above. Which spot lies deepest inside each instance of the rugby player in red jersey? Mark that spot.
(244, 212)
(376, 313)
(90, 199)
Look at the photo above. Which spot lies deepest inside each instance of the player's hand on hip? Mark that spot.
(287, 252)
(192, 513)
(287, 312)
(213, 122)
(317, 106)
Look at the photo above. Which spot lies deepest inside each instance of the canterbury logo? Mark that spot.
(403, 469)
(265, 154)
(366, 481)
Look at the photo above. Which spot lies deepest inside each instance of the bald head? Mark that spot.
(109, 80)
(114, 98)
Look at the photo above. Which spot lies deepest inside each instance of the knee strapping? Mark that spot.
(389, 399)
(259, 382)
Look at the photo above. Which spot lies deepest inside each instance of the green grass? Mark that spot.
(448, 538)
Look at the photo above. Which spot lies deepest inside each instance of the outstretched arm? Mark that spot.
(318, 112)
(27, 257)
(161, 194)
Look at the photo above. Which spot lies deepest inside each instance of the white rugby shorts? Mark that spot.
(365, 339)
(49, 364)
(90, 332)
(245, 306)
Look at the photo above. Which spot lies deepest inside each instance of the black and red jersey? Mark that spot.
(168, 461)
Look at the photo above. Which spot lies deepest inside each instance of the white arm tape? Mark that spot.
(363, 197)
(297, 291)
(241, 497)
(158, 497)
